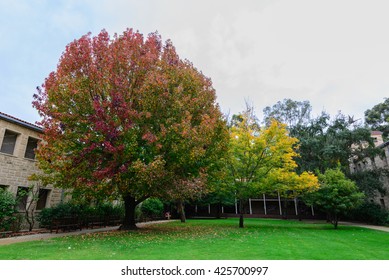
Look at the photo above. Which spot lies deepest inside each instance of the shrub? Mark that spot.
(62, 210)
(370, 212)
(82, 211)
(108, 209)
(17, 222)
(152, 208)
(7, 209)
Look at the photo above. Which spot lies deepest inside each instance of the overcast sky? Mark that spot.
(334, 53)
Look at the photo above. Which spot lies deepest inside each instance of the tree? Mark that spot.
(324, 142)
(370, 181)
(336, 194)
(292, 113)
(262, 159)
(378, 117)
(29, 198)
(126, 117)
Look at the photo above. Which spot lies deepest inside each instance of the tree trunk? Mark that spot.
(335, 222)
(219, 211)
(241, 210)
(298, 211)
(181, 210)
(285, 212)
(129, 213)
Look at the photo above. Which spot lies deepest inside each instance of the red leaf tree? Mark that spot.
(126, 116)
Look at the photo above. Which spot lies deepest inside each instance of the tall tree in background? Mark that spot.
(324, 142)
(126, 117)
(261, 160)
(292, 113)
(378, 117)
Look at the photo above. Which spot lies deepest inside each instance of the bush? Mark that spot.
(62, 210)
(108, 209)
(7, 209)
(370, 212)
(17, 222)
(150, 209)
(82, 211)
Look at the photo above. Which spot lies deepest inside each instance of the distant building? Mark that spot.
(18, 141)
(377, 162)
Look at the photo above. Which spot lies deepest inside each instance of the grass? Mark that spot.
(213, 239)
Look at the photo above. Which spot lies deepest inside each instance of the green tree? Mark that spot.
(292, 113)
(324, 142)
(370, 181)
(378, 117)
(262, 159)
(126, 117)
(336, 196)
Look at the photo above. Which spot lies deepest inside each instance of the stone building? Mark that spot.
(18, 141)
(377, 162)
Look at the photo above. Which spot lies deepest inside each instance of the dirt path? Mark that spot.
(382, 228)
(42, 236)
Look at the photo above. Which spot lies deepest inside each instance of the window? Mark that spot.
(32, 144)
(42, 199)
(3, 187)
(9, 141)
(21, 197)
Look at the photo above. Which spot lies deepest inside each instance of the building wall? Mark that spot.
(15, 169)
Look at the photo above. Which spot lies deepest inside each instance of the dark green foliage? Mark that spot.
(325, 142)
(7, 209)
(78, 210)
(151, 208)
(378, 117)
(371, 213)
(46, 216)
(369, 181)
(108, 209)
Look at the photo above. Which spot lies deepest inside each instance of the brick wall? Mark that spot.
(15, 168)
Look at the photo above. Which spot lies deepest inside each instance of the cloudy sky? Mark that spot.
(334, 53)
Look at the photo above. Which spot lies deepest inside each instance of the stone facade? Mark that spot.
(18, 139)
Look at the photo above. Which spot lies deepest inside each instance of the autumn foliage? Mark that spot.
(262, 160)
(126, 116)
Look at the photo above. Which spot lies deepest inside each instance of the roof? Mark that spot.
(376, 132)
(14, 120)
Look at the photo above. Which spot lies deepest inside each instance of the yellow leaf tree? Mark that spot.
(261, 160)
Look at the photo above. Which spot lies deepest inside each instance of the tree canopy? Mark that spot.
(336, 194)
(261, 160)
(292, 113)
(324, 142)
(378, 117)
(125, 116)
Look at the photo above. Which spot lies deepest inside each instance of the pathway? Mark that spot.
(42, 236)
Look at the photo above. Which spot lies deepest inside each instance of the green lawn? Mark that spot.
(214, 239)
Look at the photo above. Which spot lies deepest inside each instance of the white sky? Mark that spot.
(334, 53)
